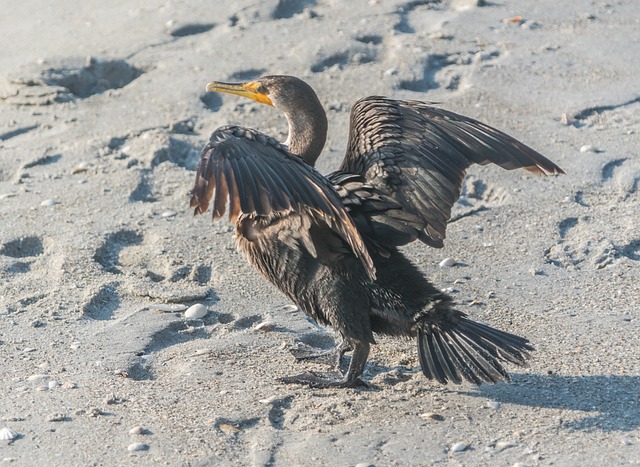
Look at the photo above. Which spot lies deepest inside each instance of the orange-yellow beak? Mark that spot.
(253, 90)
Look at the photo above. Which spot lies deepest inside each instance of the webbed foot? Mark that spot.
(336, 379)
(331, 357)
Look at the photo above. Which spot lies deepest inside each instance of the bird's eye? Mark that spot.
(260, 89)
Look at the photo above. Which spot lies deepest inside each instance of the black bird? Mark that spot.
(330, 243)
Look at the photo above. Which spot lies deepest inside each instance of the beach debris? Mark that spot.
(196, 311)
(502, 445)
(514, 19)
(290, 308)
(228, 428)
(168, 308)
(167, 214)
(49, 202)
(458, 447)
(53, 384)
(7, 434)
(136, 447)
(80, 168)
(112, 399)
(566, 119)
(95, 412)
(431, 416)
(447, 263)
(69, 385)
(57, 417)
(493, 405)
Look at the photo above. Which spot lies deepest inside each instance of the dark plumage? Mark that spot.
(330, 243)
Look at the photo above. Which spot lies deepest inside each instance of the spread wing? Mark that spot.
(406, 161)
(255, 175)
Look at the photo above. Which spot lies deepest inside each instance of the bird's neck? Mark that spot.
(307, 131)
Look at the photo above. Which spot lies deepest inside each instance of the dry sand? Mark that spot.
(102, 118)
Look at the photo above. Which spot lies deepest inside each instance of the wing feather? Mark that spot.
(257, 176)
(412, 157)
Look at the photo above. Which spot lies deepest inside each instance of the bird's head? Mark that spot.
(299, 103)
(286, 93)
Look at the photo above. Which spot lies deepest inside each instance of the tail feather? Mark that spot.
(453, 348)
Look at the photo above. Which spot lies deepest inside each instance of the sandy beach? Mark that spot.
(103, 115)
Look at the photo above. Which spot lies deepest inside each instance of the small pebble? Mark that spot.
(7, 434)
(458, 447)
(447, 263)
(49, 202)
(168, 308)
(137, 430)
(53, 384)
(290, 308)
(168, 214)
(196, 311)
(134, 447)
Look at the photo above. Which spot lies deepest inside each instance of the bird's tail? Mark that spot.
(453, 348)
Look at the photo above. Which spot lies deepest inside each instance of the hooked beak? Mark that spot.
(251, 90)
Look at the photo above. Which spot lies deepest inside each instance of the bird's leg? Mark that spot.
(337, 379)
(331, 357)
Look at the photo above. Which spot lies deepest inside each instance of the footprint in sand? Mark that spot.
(69, 79)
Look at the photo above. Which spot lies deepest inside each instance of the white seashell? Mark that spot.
(168, 308)
(502, 445)
(587, 148)
(264, 326)
(196, 311)
(447, 263)
(133, 447)
(493, 405)
(269, 400)
(290, 308)
(49, 202)
(458, 447)
(431, 416)
(168, 214)
(53, 384)
(7, 434)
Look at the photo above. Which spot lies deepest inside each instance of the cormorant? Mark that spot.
(330, 243)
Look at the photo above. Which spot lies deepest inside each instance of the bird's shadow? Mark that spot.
(612, 402)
